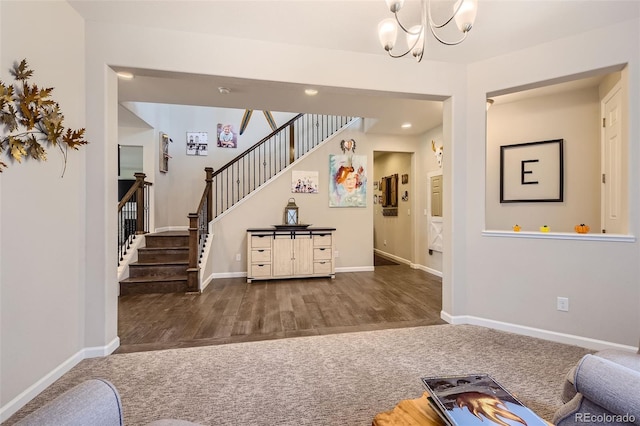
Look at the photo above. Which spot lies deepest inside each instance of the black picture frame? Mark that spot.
(532, 172)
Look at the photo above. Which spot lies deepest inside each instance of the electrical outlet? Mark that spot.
(336, 253)
(563, 304)
(384, 242)
(408, 212)
(238, 257)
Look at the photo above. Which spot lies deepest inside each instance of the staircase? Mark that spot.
(170, 261)
(161, 266)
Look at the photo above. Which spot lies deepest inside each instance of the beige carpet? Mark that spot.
(342, 379)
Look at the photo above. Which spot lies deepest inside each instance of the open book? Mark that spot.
(477, 399)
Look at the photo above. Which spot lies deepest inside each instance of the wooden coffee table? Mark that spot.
(409, 412)
(412, 412)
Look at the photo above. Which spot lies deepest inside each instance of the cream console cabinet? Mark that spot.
(290, 252)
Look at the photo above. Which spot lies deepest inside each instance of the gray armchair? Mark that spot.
(94, 402)
(602, 389)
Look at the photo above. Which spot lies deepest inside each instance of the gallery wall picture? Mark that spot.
(164, 152)
(347, 181)
(304, 182)
(197, 143)
(227, 136)
(532, 172)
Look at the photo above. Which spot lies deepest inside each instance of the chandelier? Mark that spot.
(464, 14)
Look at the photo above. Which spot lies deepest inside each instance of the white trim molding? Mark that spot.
(427, 269)
(561, 236)
(171, 228)
(354, 269)
(568, 339)
(34, 390)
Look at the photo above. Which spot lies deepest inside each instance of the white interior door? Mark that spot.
(611, 163)
(434, 212)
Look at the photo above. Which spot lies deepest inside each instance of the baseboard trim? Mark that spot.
(429, 270)
(392, 257)
(130, 257)
(355, 269)
(34, 390)
(408, 262)
(244, 274)
(218, 275)
(100, 351)
(554, 336)
(171, 228)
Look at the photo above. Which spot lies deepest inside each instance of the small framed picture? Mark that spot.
(532, 172)
(197, 143)
(405, 179)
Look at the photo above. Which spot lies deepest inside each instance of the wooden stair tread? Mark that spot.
(170, 233)
(149, 279)
(168, 263)
(163, 248)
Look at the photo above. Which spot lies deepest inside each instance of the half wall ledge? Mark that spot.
(618, 238)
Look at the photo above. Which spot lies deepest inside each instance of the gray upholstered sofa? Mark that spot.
(93, 402)
(603, 389)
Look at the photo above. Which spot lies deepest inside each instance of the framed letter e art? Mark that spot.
(531, 172)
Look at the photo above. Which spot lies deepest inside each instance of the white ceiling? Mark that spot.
(501, 26)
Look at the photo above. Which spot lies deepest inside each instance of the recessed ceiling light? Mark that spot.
(311, 92)
(224, 90)
(125, 75)
(406, 126)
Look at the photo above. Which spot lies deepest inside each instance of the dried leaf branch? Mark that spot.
(32, 120)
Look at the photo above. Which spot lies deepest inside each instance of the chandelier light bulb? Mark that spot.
(415, 40)
(466, 14)
(387, 33)
(395, 5)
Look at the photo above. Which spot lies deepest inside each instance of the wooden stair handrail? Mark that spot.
(137, 184)
(257, 144)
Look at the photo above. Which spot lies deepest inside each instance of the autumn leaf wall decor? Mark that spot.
(32, 121)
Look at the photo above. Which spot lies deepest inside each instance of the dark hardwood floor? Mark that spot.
(230, 310)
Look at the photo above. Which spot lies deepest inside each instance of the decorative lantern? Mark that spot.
(291, 213)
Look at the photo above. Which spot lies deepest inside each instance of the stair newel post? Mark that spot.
(209, 180)
(140, 202)
(193, 270)
(292, 143)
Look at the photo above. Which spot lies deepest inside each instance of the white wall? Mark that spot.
(185, 181)
(513, 282)
(354, 225)
(572, 116)
(42, 215)
(179, 190)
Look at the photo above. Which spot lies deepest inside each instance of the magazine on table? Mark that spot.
(477, 399)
